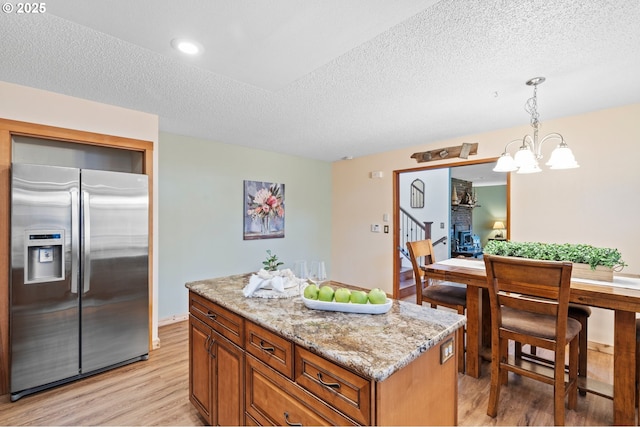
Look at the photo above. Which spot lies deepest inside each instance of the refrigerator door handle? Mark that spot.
(86, 242)
(75, 241)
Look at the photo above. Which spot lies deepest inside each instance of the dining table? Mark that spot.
(622, 295)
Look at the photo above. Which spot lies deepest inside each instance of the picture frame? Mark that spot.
(264, 210)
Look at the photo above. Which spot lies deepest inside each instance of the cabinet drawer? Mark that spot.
(272, 349)
(223, 321)
(339, 387)
(272, 399)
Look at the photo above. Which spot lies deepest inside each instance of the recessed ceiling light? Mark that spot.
(186, 46)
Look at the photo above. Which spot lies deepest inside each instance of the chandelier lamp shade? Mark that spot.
(529, 154)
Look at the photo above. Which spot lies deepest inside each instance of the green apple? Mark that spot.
(342, 295)
(358, 297)
(311, 291)
(325, 293)
(377, 296)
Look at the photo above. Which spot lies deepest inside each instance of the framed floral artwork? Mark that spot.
(263, 210)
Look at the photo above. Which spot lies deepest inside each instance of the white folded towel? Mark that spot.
(276, 279)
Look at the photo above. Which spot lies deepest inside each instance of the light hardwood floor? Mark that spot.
(151, 392)
(155, 392)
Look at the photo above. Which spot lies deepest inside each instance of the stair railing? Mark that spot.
(412, 229)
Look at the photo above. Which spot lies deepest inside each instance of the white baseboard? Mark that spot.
(173, 319)
(168, 321)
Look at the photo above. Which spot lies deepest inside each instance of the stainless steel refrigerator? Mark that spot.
(79, 299)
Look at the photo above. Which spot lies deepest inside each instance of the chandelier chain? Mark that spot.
(531, 107)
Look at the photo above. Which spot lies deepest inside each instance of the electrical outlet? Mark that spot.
(447, 350)
(442, 225)
(386, 229)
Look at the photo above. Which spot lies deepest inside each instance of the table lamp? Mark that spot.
(498, 225)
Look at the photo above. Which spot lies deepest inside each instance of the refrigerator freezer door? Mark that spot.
(44, 312)
(114, 253)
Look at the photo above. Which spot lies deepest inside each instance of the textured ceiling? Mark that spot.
(331, 78)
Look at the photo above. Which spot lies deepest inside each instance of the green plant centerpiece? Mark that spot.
(603, 259)
(271, 263)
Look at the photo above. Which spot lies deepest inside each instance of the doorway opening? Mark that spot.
(462, 202)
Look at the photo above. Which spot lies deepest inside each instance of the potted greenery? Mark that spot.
(271, 263)
(589, 262)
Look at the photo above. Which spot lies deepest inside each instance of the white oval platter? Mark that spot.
(348, 307)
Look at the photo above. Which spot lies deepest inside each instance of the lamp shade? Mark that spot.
(498, 225)
(525, 158)
(562, 158)
(505, 164)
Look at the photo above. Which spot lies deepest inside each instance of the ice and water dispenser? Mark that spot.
(44, 256)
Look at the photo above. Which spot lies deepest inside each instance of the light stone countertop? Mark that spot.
(373, 345)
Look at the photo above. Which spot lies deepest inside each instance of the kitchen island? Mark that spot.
(261, 361)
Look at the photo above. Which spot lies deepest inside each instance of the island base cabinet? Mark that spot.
(425, 392)
(216, 380)
(249, 421)
(272, 399)
(241, 373)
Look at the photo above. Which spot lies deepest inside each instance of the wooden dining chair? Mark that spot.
(437, 293)
(529, 302)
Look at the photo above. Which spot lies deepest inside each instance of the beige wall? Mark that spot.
(37, 106)
(595, 204)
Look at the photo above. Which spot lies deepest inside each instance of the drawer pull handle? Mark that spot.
(269, 349)
(211, 315)
(333, 385)
(286, 419)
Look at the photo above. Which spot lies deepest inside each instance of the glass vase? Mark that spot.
(265, 225)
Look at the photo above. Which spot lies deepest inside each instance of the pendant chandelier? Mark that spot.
(530, 152)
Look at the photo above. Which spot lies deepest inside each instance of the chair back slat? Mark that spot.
(542, 306)
(421, 251)
(539, 290)
(513, 271)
